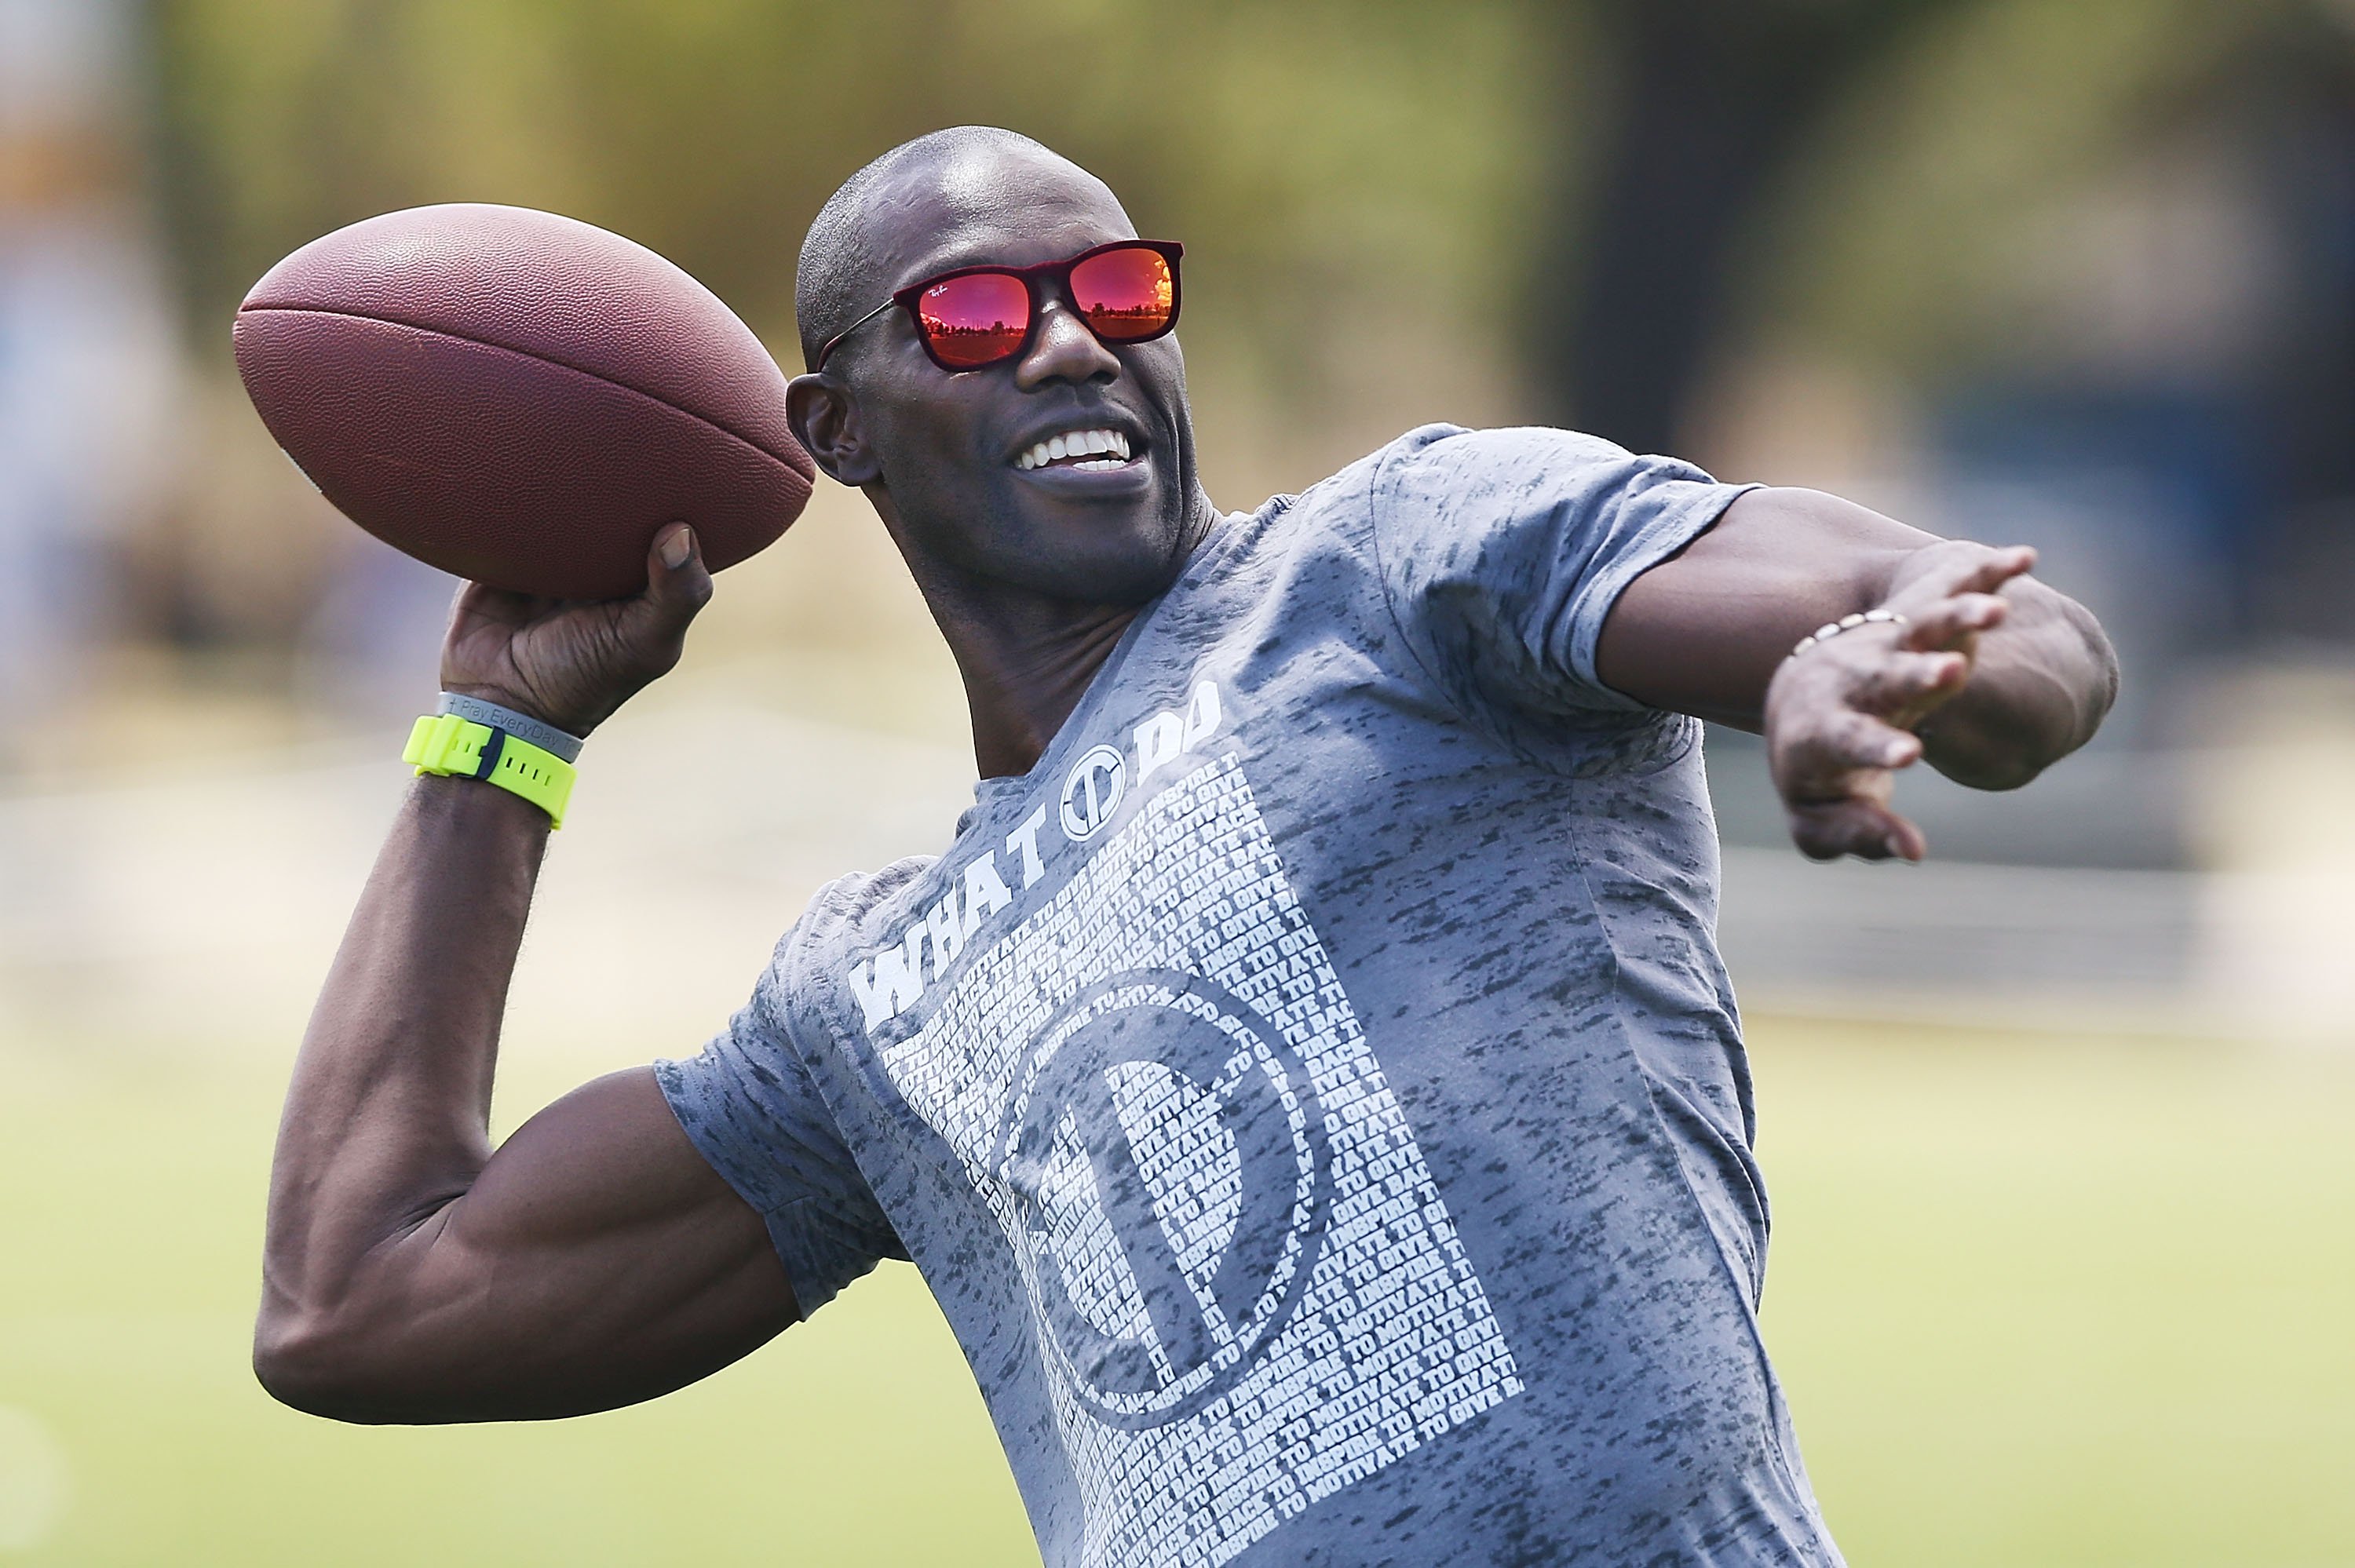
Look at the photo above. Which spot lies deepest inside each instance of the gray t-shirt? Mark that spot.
(1312, 1092)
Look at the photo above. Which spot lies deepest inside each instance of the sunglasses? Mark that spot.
(976, 316)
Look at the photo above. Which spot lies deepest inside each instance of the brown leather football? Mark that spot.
(520, 398)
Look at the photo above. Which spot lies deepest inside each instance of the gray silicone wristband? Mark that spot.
(523, 726)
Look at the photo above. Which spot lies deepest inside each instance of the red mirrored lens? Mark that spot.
(1125, 294)
(975, 319)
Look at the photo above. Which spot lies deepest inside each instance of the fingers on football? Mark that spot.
(499, 607)
(677, 585)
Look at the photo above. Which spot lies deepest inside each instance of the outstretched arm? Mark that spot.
(1992, 677)
(410, 1272)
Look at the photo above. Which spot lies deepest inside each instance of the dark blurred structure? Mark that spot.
(2086, 273)
(1694, 110)
(2206, 362)
(2216, 380)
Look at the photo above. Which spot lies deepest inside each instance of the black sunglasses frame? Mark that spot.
(1032, 278)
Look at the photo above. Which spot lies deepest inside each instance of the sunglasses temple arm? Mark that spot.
(836, 341)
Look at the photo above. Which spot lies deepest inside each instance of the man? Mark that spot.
(1306, 1081)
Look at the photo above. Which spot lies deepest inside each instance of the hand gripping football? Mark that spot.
(520, 398)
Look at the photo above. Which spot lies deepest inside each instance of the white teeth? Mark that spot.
(1081, 444)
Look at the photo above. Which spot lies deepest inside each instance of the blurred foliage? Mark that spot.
(1704, 106)
(1421, 167)
(1928, 227)
(1609, 212)
(1308, 151)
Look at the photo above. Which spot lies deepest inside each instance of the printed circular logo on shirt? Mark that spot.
(1091, 791)
(1166, 1153)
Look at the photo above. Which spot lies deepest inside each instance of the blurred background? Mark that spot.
(2065, 1229)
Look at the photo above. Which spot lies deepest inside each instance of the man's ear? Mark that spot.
(824, 419)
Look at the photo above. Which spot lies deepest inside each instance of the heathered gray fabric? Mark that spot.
(1312, 1092)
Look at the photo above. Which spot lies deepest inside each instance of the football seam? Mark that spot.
(737, 436)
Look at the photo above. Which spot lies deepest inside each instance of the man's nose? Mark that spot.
(1065, 350)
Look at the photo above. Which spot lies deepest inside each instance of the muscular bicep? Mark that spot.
(1702, 631)
(597, 1260)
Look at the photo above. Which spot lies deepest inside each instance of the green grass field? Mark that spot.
(2035, 1301)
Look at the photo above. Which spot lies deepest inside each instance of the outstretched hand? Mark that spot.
(1842, 717)
(570, 663)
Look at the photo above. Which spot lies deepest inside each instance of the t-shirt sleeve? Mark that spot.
(1502, 552)
(752, 1109)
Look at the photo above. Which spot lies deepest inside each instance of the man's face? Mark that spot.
(958, 449)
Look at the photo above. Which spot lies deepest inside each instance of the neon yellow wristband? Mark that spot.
(452, 746)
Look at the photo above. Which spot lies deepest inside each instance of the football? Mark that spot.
(520, 398)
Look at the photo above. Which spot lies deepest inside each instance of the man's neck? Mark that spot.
(1026, 659)
(1023, 675)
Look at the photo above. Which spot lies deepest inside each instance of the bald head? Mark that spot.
(950, 457)
(916, 196)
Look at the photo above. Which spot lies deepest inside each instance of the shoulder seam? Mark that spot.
(1374, 509)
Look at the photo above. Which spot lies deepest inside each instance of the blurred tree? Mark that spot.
(1375, 144)
(1703, 106)
(2298, 89)
(1346, 174)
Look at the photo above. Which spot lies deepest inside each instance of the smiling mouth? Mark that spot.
(1088, 452)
